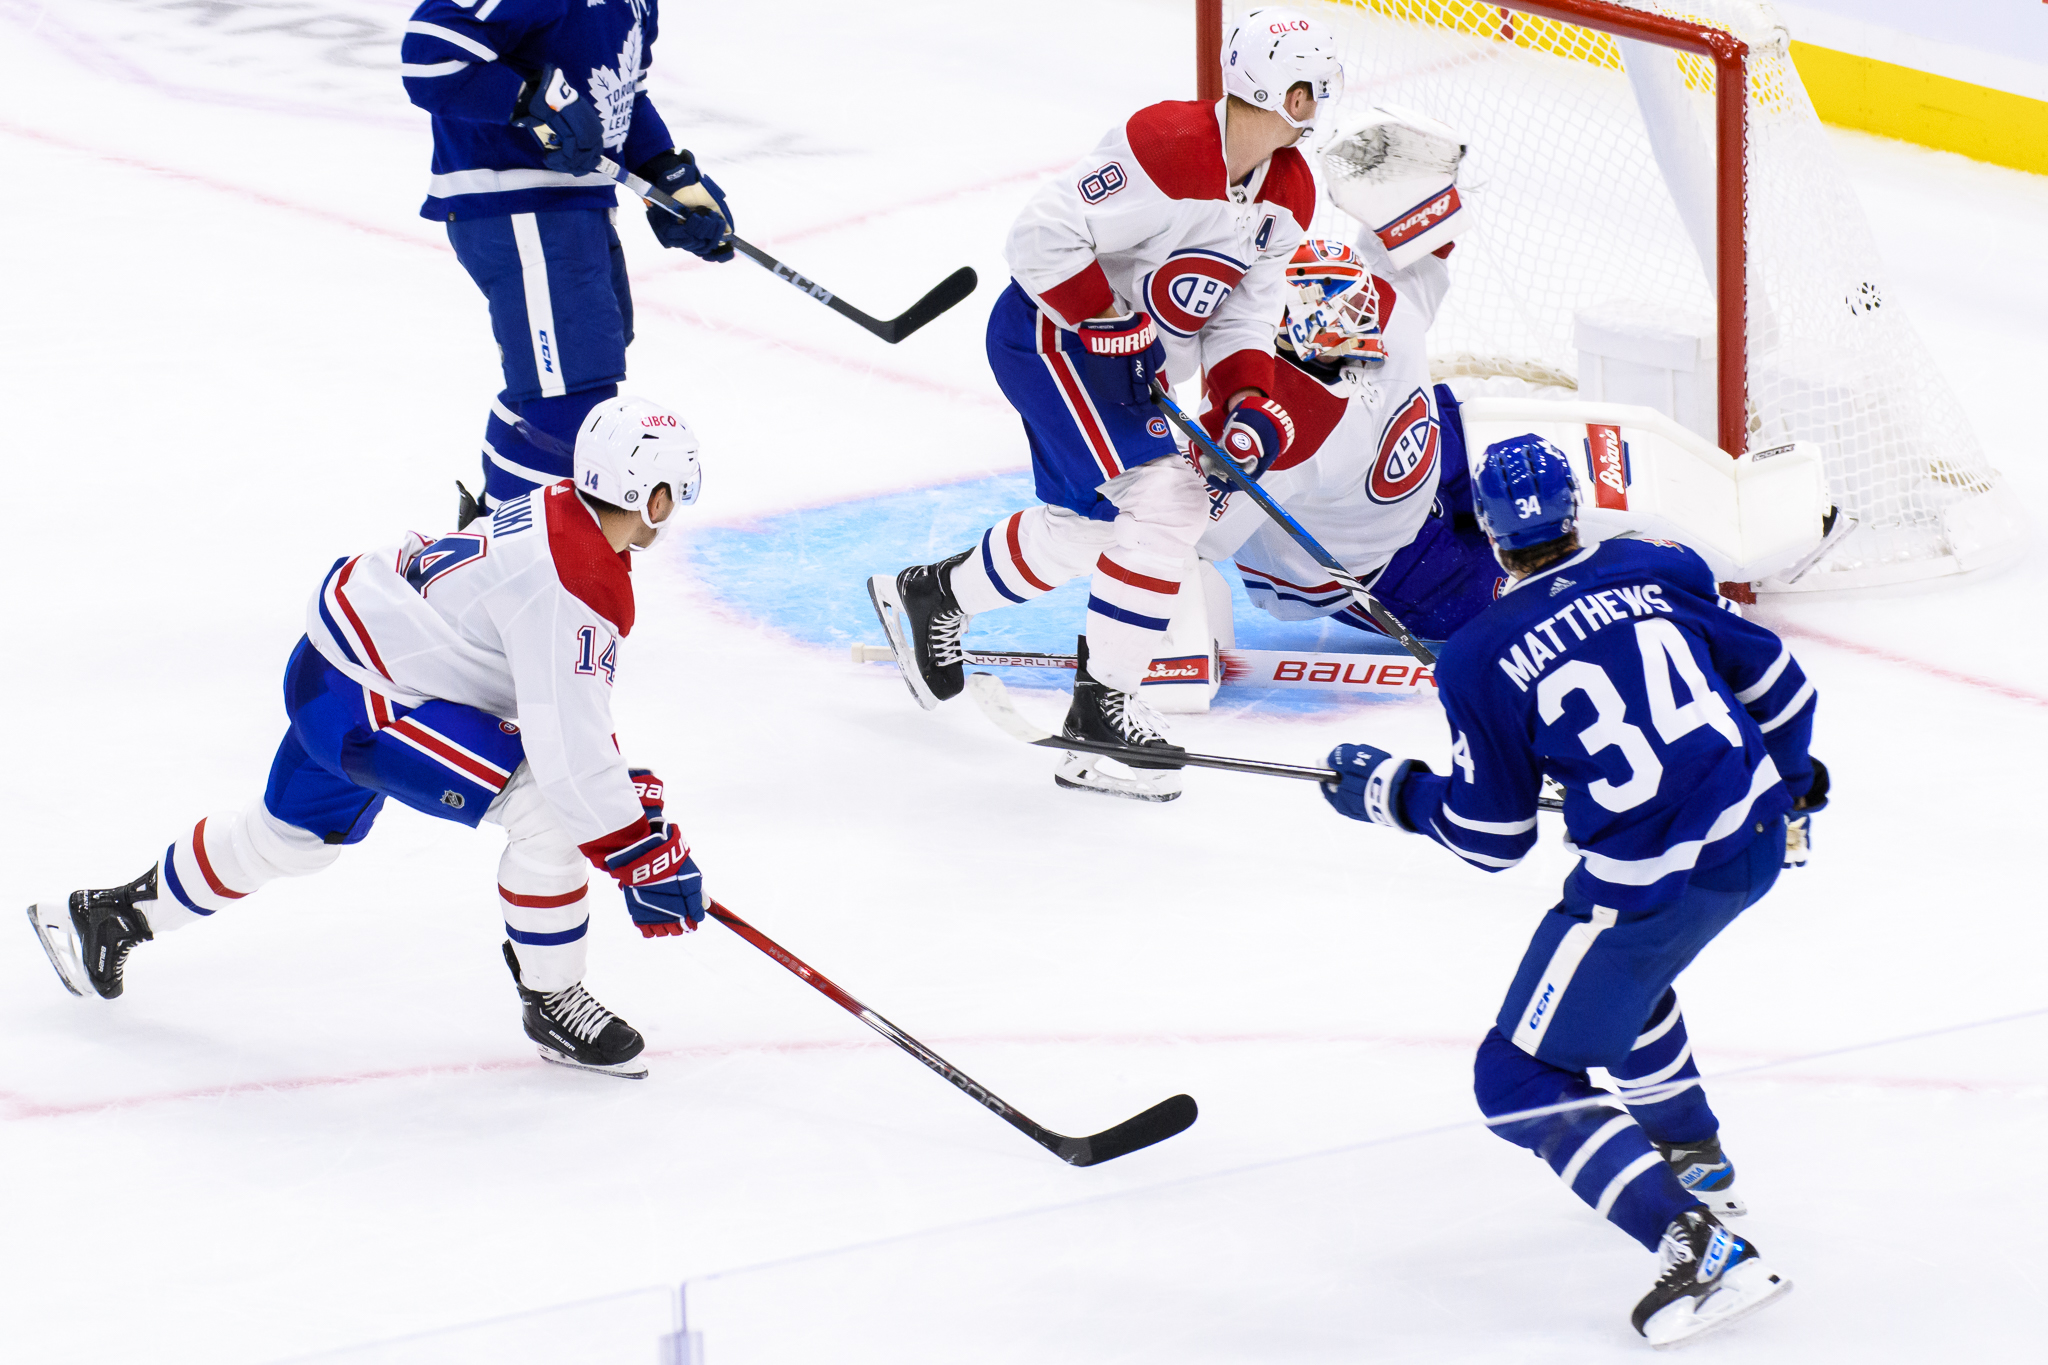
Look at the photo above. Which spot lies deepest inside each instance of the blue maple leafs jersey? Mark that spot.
(464, 62)
(1675, 727)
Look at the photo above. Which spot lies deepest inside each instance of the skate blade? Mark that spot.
(633, 1070)
(1088, 773)
(888, 610)
(52, 923)
(1746, 1288)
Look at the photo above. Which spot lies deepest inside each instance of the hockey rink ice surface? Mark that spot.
(231, 351)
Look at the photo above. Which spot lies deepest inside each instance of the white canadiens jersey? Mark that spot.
(520, 616)
(1147, 221)
(1367, 456)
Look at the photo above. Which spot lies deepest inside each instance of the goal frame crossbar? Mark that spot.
(1730, 56)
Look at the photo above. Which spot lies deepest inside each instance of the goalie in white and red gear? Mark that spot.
(1377, 471)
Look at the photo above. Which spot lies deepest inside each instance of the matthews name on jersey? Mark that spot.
(1614, 661)
(465, 63)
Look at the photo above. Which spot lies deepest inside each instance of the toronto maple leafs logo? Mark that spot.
(613, 89)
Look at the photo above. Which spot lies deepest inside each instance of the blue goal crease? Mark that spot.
(804, 574)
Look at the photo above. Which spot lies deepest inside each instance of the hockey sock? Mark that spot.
(1130, 602)
(1602, 1156)
(1652, 1081)
(224, 858)
(543, 888)
(1027, 555)
(516, 461)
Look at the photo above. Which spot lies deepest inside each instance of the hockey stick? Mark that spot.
(994, 700)
(1156, 1124)
(1218, 465)
(1302, 670)
(949, 291)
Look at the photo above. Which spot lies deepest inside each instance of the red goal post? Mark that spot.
(1730, 58)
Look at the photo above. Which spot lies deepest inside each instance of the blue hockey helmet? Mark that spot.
(1526, 493)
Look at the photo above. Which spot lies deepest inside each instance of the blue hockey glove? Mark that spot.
(1258, 433)
(1121, 357)
(663, 887)
(707, 230)
(570, 133)
(1368, 785)
(1798, 822)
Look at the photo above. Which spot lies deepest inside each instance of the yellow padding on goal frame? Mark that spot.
(1847, 91)
(1919, 106)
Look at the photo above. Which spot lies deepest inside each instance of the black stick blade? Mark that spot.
(1156, 1124)
(950, 291)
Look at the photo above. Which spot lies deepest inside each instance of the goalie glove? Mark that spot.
(1368, 785)
(1121, 357)
(1397, 172)
(570, 133)
(1799, 820)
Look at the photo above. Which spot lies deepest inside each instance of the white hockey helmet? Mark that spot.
(1269, 51)
(627, 448)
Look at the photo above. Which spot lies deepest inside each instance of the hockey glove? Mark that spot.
(707, 231)
(1258, 433)
(1121, 357)
(650, 790)
(663, 887)
(1798, 821)
(570, 133)
(1368, 785)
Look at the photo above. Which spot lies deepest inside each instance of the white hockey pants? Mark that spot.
(1137, 562)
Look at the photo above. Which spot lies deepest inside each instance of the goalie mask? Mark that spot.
(1270, 51)
(1333, 307)
(627, 448)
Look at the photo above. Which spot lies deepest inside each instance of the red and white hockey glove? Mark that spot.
(1258, 433)
(1121, 357)
(663, 887)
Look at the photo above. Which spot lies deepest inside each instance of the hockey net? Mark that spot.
(1589, 196)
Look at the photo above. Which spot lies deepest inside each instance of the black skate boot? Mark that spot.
(574, 1030)
(88, 936)
(1710, 1278)
(1100, 712)
(925, 627)
(1707, 1174)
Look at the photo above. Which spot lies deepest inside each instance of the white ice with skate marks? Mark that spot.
(316, 1121)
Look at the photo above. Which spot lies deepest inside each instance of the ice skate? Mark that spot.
(1102, 713)
(88, 936)
(925, 626)
(572, 1029)
(1707, 1174)
(1710, 1278)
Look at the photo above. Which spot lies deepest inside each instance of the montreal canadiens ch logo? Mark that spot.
(1185, 292)
(1407, 451)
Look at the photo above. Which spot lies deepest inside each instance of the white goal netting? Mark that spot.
(1590, 197)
